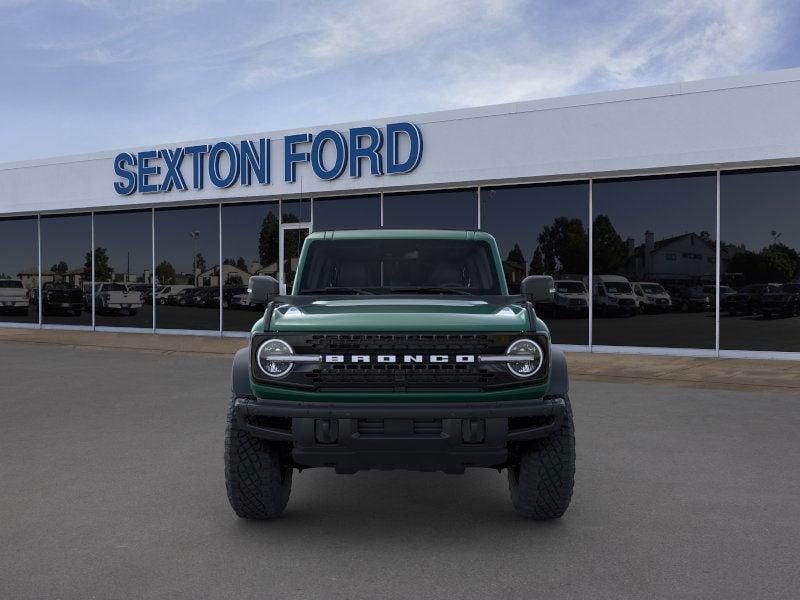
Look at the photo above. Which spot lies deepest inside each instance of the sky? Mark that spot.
(89, 75)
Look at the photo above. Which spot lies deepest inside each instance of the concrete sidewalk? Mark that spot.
(668, 371)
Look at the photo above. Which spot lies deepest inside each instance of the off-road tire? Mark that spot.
(258, 483)
(541, 483)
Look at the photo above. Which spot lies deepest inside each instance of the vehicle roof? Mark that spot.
(398, 234)
(612, 278)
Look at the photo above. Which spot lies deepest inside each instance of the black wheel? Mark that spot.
(542, 481)
(258, 483)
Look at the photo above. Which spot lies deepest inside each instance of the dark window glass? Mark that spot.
(66, 269)
(424, 266)
(123, 267)
(760, 231)
(249, 247)
(187, 266)
(347, 213)
(19, 270)
(654, 231)
(451, 209)
(296, 211)
(543, 229)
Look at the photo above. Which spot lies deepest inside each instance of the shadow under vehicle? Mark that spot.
(690, 299)
(783, 302)
(652, 297)
(400, 349)
(61, 298)
(747, 301)
(14, 297)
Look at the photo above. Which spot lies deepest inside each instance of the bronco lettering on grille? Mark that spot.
(394, 358)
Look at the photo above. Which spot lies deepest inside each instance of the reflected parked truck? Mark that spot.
(748, 299)
(613, 295)
(166, 294)
(60, 297)
(571, 298)
(783, 302)
(651, 297)
(14, 298)
(114, 298)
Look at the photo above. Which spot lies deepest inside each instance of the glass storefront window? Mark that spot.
(543, 230)
(451, 209)
(249, 247)
(347, 213)
(760, 260)
(67, 269)
(296, 211)
(19, 270)
(187, 268)
(123, 267)
(654, 261)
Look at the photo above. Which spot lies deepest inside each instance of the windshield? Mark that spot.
(10, 283)
(652, 288)
(618, 288)
(398, 266)
(570, 287)
(114, 287)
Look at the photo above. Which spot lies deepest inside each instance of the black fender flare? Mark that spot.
(559, 377)
(240, 374)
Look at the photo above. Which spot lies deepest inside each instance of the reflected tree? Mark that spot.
(268, 241)
(60, 268)
(102, 270)
(610, 253)
(563, 248)
(165, 273)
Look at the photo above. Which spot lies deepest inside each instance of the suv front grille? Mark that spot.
(400, 376)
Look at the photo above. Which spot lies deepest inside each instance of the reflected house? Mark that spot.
(687, 258)
(28, 277)
(210, 277)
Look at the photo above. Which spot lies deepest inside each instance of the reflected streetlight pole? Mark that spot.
(195, 235)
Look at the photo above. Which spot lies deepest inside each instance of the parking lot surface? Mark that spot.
(112, 487)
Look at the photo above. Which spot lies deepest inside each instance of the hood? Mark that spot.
(384, 313)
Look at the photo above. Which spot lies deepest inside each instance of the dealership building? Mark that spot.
(680, 202)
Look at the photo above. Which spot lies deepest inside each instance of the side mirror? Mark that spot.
(538, 289)
(262, 289)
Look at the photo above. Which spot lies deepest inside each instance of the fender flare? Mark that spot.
(240, 374)
(559, 377)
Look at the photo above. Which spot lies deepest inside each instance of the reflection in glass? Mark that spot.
(347, 213)
(123, 258)
(249, 247)
(66, 269)
(19, 270)
(451, 209)
(292, 245)
(543, 230)
(187, 268)
(296, 211)
(654, 258)
(760, 260)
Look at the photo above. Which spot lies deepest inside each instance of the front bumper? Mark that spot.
(427, 437)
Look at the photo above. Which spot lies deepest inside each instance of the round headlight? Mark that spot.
(274, 368)
(528, 348)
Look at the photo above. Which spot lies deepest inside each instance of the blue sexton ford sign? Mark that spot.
(330, 153)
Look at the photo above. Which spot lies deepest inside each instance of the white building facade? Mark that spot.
(608, 183)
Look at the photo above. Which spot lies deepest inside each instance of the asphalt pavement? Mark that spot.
(111, 486)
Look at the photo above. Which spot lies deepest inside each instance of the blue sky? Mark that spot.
(88, 75)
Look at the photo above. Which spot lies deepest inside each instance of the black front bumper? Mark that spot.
(427, 437)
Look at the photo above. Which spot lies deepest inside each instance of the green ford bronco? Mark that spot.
(400, 349)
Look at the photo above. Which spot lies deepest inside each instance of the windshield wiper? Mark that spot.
(337, 290)
(430, 289)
